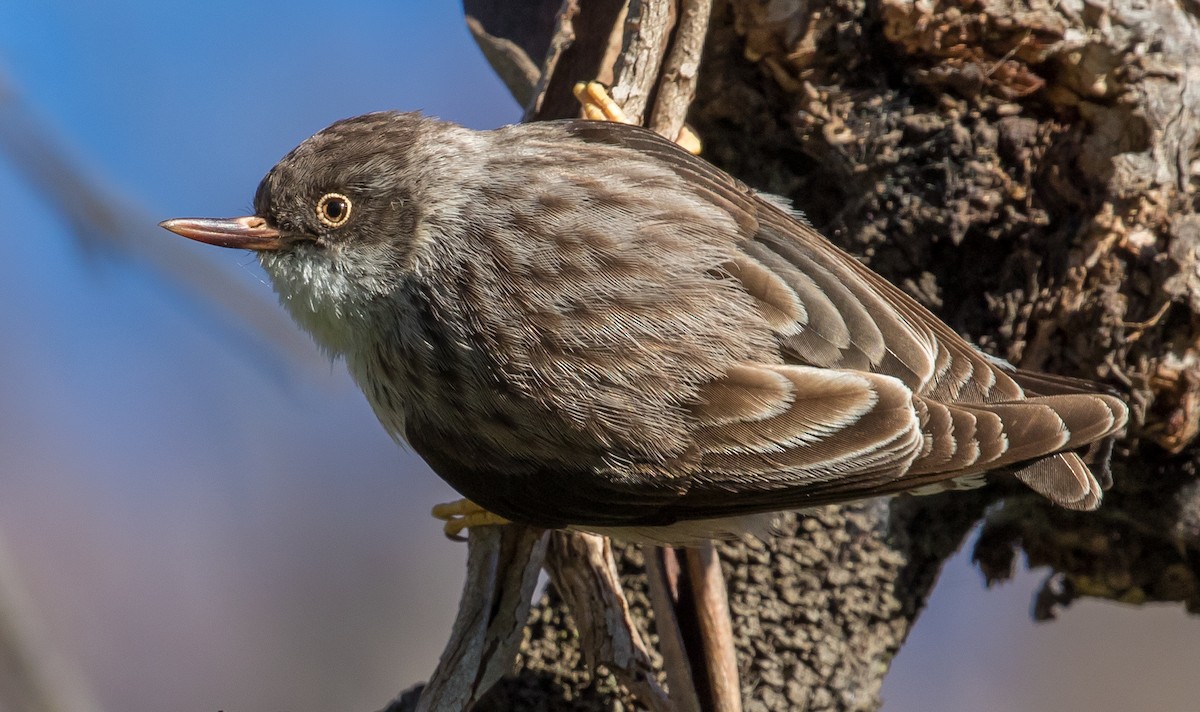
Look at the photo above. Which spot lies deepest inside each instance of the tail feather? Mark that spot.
(1087, 418)
(1063, 479)
(1035, 435)
(1052, 384)
(1029, 429)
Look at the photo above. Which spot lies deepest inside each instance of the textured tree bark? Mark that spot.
(1028, 171)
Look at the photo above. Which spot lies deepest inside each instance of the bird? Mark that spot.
(579, 325)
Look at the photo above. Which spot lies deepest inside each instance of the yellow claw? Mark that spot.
(689, 141)
(464, 514)
(598, 105)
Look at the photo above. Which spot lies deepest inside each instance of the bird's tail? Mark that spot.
(1035, 438)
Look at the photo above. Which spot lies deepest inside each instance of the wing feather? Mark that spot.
(838, 423)
(779, 302)
(876, 394)
(895, 334)
(1063, 479)
(745, 393)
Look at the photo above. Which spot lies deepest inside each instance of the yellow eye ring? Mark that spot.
(333, 209)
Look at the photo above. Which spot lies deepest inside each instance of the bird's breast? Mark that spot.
(445, 395)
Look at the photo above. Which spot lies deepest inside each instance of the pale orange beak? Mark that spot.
(247, 233)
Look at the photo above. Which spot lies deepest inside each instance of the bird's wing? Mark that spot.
(827, 309)
(878, 395)
(773, 427)
(796, 436)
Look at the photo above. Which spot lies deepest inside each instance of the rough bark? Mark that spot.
(1025, 169)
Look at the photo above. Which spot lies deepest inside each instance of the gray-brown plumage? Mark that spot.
(579, 324)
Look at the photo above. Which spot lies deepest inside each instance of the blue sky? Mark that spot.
(202, 525)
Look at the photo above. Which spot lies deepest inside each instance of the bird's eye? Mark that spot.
(333, 209)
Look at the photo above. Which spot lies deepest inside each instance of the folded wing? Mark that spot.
(876, 395)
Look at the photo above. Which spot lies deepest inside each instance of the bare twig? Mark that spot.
(662, 583)
(583, 571)
(516, 69)
(716, 627)
(564, 35)
(502, 570)
(647, 30)
(577, 51)
(515, 38)
(677, 84)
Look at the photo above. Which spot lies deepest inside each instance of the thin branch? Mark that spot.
(647, 31)
(503, 564)
(716, 627)
(560, 40)
(515, 68)
(583, 571)
(681, 70)
(662, 584)
(577, 51)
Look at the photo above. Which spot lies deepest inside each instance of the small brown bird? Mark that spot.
(578, 324)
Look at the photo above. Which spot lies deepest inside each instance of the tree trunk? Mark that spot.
(1025, 170)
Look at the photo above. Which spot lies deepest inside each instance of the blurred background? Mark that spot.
(197, 510)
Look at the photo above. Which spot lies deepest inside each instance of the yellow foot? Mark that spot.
(598, 105)
(464, 514)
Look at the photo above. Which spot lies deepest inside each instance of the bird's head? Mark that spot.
(337, 222)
